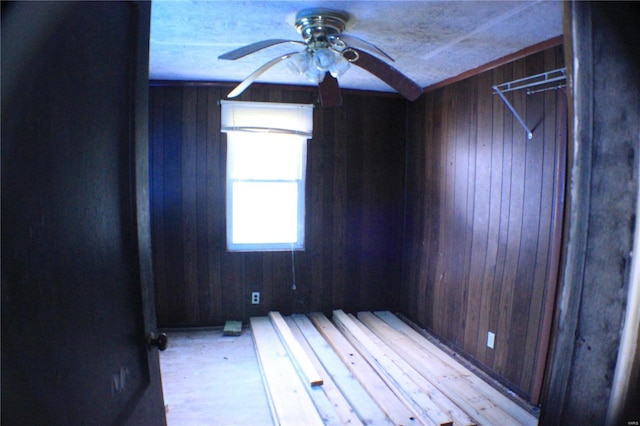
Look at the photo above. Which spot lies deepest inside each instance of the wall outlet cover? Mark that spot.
(491, 339)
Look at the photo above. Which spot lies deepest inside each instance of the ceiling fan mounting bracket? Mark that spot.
(318, 24)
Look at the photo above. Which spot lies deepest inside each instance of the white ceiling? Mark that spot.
(429, 40)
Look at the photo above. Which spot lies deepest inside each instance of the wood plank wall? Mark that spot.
(483, 221)
(472, 247)
(354, 205)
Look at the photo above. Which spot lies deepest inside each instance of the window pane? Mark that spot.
(265, 156)
(264, 212)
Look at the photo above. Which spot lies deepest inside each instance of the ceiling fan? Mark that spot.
(327, 54)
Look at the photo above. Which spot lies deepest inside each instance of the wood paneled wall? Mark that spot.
(440, 209)
(483, 221)
(354, 208)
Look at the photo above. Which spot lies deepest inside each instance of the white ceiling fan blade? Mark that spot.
(257, 73)
(358, 43)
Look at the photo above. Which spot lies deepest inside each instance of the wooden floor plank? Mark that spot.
(341, 406)
(399, 382)
(499, 399)
(394, 351)
(298, 355)
(473, 402)
(290, 401)
(454, 412)
(397, 412)
(361, 402)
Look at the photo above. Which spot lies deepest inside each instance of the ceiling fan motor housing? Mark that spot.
(318, 26)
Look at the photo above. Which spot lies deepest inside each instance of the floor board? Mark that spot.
(212, 379)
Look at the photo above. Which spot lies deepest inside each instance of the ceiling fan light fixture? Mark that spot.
(314, 64)
(324, 59)
(314, 75)
(299, 64)
(340, 66)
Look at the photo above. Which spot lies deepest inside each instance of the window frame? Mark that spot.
(257, 130)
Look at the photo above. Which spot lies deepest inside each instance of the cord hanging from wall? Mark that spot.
(298, 305)
(293, 269)
(550, 80)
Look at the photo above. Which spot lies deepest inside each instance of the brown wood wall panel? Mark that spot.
(354, 210)
(482, 211)
(459, 230)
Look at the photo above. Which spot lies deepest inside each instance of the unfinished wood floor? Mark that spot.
(307, 370)
(211, 379)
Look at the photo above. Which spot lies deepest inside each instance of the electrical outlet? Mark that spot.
(255, 298)
(491, 339)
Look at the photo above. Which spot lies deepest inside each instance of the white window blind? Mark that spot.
(267, 117)
(266, 171)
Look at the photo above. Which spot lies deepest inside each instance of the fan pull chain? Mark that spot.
(293, 268)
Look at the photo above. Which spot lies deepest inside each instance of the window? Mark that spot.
(266, 169)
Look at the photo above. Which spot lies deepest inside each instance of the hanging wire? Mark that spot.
(293, 268)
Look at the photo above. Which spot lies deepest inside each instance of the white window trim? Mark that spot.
(297, 120)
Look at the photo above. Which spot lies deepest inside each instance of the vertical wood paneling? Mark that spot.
(555, 239)
(514, 228)
(318, 173)
(156, 182)
(202, 129)
(210, 282)
(494, 218)
(481, 208)
(215, 206)
(189, 208)
(458, 232)
(338, 190)
(354, 205)
(481, 216)
(173, 267)
(471, 291)
(354, 198)
(414, 201)
(532, 215)
(434, 201)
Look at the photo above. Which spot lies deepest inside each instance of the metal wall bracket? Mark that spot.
(549, 80)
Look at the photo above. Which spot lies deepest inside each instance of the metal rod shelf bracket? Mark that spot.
(543, 79)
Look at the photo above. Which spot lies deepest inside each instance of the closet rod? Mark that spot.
(528, 83)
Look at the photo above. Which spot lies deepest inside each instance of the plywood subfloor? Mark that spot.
(211, 379)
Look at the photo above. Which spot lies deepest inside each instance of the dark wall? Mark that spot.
(483, 221)
(77, 305)
(594, 375)
(353, 210)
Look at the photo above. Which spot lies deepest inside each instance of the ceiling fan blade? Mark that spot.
(358, 43)
(257, 73)
(385, 72)
(254, 47)
(330, 92)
